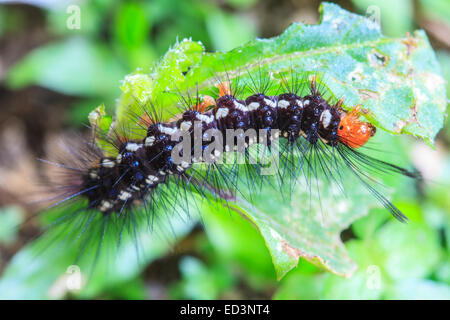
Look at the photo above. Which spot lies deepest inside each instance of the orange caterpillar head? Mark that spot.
(353, 132)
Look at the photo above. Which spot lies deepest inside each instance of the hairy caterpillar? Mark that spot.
(184, 156)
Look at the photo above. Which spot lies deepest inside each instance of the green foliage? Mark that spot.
(438, 10)
(388, 12)
(397, 79)
(115, 37)
(89, 63)
(389, 266)
(10, 218)
(199, 281)
(41, 270)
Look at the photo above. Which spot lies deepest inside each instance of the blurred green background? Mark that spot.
(53, 75)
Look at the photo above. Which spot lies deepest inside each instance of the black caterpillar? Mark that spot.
(115, 184)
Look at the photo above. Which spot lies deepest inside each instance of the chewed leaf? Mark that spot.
(101, 123)
(306, 226)
(397, 80)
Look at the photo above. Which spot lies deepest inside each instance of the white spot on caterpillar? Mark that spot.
(299, 103)
(105, 205)
(205, 118)
(325, 118)
(185, 125)
(124, 195)
(253, 106)
(131, 146)
(302, 133)
(180, 168)
(167, 130)
(149, 141)
(240, 106)
(306, 102)
(221, 112)
(135, 188)
(184, 164)
(93, 175)
(151, 179)
(107, 163)
(270, 103)
(119, 158)
(283, 104)
(162, 173)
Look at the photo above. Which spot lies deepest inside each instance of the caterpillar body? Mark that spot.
(114, 185)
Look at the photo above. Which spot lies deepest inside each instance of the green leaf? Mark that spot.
(131, 25)
(398, 80)
(367, 283)
(309, 224)
(201, 282)
(403, 261)
(74, 66)
(300, 285)
(437, 10)
(419, 290)
(138, 87)
(10, 219)
(227, 231)
(227, 31)
(443, 271)
(101, 121)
